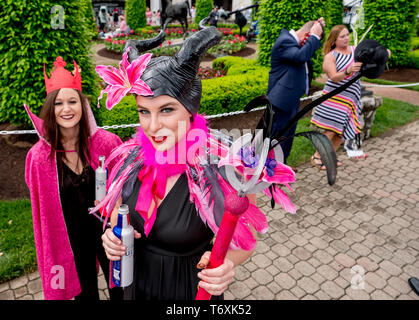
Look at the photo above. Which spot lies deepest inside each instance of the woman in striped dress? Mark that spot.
(339, 115)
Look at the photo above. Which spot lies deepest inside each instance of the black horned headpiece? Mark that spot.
(176, 76)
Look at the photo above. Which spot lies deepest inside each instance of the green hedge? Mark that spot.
(124, 112)
(394, 22)
(203, 9)
(28, 40)
(90, 21)
(245, 80)
(413, 59)
(275, 15)
(135, 13)
(415, 43)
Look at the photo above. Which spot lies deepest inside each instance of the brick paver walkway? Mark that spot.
(358, 239)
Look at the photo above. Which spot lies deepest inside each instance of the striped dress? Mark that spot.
(340, 113)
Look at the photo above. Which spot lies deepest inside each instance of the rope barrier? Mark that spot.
(391, 85)
(134, 125)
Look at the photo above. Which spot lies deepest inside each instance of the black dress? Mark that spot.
(77, 194)
(165, 261)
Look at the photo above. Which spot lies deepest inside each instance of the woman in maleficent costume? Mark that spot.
(169, 180)
(182, 182)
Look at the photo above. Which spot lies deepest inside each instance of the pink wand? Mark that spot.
(234, 207)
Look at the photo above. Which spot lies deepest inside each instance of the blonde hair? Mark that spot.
(329, 44)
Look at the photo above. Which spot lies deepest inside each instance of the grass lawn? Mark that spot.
(17, 247)
(387, 82)
(17, 250)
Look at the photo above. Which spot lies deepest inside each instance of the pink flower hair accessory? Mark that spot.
(124, 80)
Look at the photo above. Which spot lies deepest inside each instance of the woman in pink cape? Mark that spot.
(60, 174)
(169, 177)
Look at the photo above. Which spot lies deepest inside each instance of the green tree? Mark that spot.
(275, 15)
(203, 9)
(393, 25)
(34, 33)
(135, 13)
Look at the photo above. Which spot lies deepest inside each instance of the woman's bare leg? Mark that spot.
(336, 142)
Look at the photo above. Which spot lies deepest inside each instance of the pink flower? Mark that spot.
(193, 30)
(234, 41)
(169, 42)
(125, 80)
(236, 35)
(150, 32)
(132, 31)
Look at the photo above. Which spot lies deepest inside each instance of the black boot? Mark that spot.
(414, 284)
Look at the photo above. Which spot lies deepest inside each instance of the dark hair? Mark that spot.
(52, 132)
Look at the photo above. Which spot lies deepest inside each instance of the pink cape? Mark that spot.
(54, 254)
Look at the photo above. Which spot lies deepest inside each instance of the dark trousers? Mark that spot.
(88, 277)
(280, 119)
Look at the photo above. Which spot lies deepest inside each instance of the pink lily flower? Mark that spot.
(125, 80)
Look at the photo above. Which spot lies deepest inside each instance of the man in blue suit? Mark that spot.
(289, 76)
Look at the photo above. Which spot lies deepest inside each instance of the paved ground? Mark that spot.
(358, 239)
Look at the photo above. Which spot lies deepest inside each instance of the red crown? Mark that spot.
(62, 78)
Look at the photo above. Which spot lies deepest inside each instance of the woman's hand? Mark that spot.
(215, 281)
(114, 247)
(355, 67)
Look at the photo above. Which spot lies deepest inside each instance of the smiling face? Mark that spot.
(163, 119)
(68, 109)
(342, 41)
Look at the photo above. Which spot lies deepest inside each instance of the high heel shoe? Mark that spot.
(320, 165)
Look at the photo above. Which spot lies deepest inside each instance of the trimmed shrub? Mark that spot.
(394, 22)
(90, 21)
(413, 59)
(203, 9)
(31, 36)
(125, 112)
(415, 43)
(135, 13)
(275, 15)
(244, 81)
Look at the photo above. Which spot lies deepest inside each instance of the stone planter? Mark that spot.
(369, 105)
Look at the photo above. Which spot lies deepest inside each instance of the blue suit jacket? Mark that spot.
(287, 77)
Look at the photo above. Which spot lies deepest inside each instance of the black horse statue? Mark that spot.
(239, 18)
(177, 11)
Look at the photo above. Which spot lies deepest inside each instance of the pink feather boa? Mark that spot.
(160, 165)
(187, 153)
